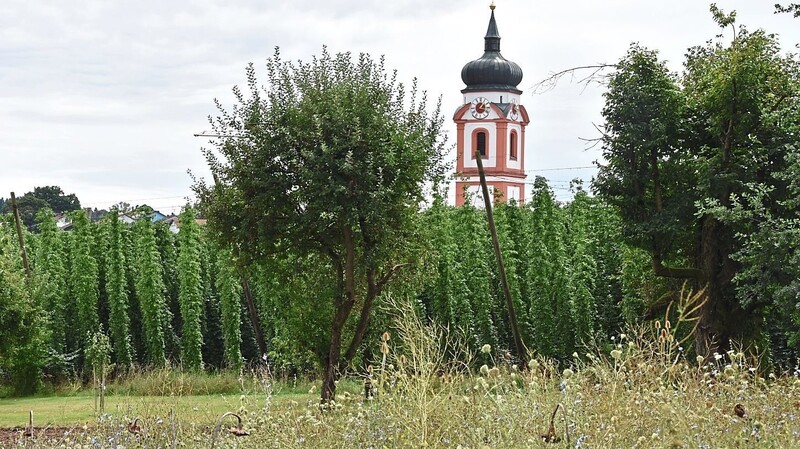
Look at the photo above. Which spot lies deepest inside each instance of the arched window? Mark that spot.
(512, 149)
(480, 143)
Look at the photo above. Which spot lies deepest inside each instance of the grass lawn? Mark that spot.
(67, 411)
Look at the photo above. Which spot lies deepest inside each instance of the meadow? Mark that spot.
(639, 391)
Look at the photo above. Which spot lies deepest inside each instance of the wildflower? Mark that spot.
(574, 355)
(717, 356)
(616, 354)
(567, 373)
(533, 364)
(494, 372)
(487, 348)
(699, 359)
(485, 370)
(622, 336)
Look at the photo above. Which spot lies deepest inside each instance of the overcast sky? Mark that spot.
(103, 97)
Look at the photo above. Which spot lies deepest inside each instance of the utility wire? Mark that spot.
(559, 169)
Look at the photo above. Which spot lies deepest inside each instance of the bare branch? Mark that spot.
(388, 275)
(593, 142)
(596, 75)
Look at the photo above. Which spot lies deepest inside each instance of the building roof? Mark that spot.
(491, 71)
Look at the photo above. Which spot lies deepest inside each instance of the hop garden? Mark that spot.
(329, 297)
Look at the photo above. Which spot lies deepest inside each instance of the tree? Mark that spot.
(330, 159)
(28, 206)
(791, 8)
(680, 150)
(190, 290)
(42, 197)
(56, 198)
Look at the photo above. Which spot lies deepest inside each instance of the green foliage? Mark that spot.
(329, 159)
(230, 291)
(563, 264)
(213, 346)
(682, 155)
(150, 292)
(294, 320)
(27, 206)
(191, 290)
(117, 287)
(791, 8)
(167, 244)
(24, 336)
(83, 279)
(56, 199)
(549, 311)
(49, 266)
(98, 353)
(31, 203)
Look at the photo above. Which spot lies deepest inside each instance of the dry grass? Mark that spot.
(641, 394)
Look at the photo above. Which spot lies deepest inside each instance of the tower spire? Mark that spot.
(492, 38)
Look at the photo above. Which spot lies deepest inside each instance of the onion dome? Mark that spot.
(491, 71)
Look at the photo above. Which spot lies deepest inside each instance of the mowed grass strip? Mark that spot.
(67, 411)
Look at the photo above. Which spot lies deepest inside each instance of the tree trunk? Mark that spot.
(363, 321)
(722, 317)
(335, 350)
(332, 362)
(253, 313)
(344, 305)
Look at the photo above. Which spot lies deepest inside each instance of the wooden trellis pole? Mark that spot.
(512, 316)
(20, 237)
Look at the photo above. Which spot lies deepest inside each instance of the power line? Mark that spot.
(113, 202)
(559, 169)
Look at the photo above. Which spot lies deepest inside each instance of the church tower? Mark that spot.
(491, 123)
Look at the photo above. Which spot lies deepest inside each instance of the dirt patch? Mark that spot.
(12, 437)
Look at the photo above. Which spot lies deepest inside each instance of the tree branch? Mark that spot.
(551, 81)
(678, 273)
(388, 276)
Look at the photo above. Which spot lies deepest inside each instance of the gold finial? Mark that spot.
(492, 6)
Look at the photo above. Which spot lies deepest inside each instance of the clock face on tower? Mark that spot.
(479, 107)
